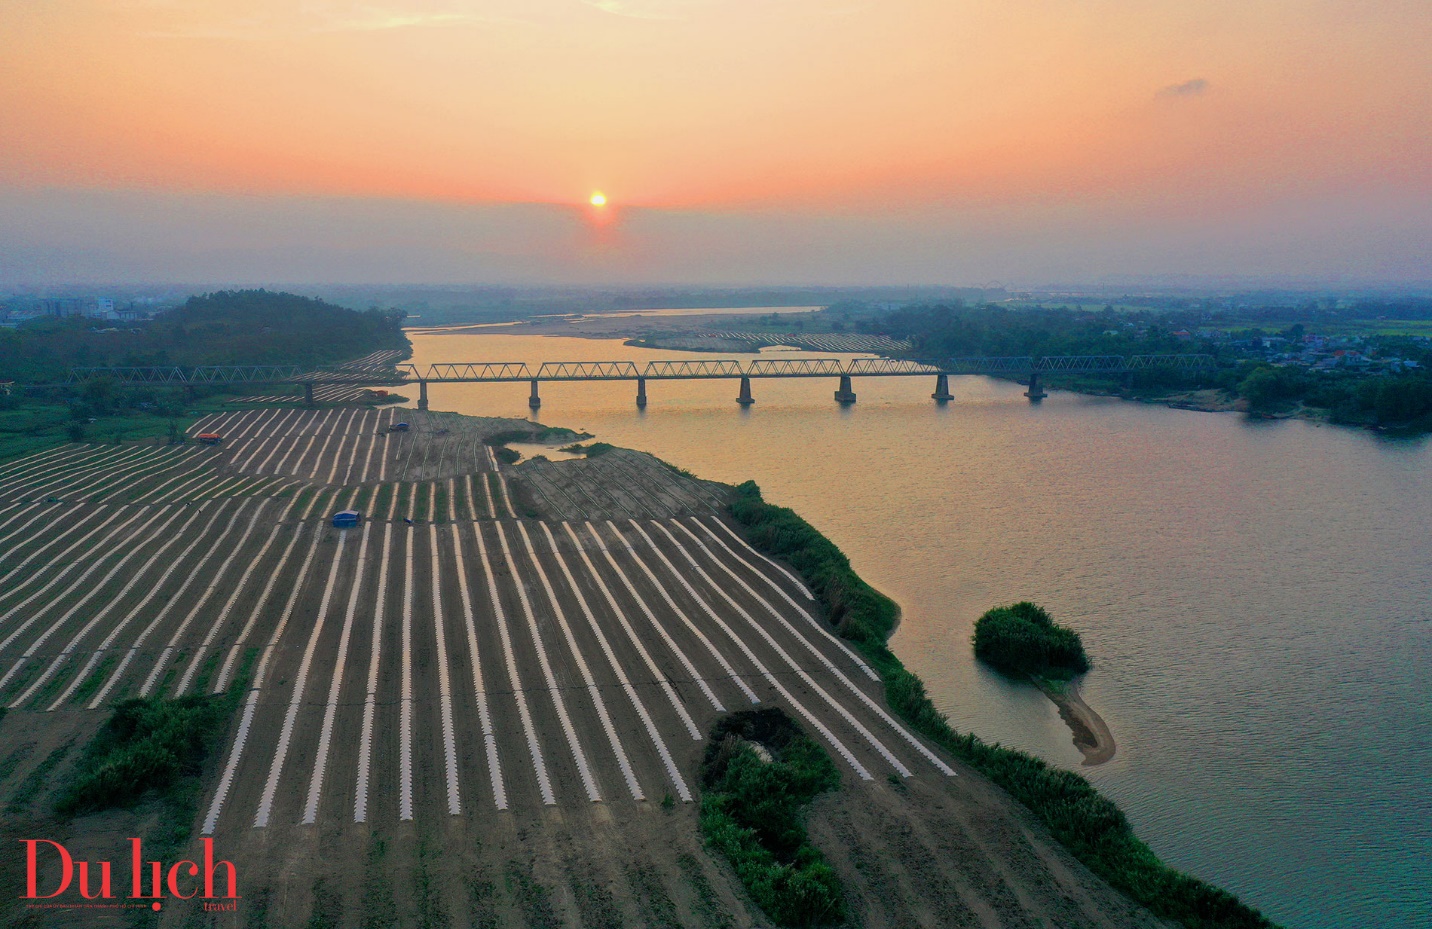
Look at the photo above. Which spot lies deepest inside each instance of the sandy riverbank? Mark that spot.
(1091, 734)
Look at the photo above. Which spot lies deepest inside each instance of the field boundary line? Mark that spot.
(534, 749)
(93, 592)
(574, 743)
(484, 718)
(819, 627)
(444, 678)
(641, 603)
(662, 680)
(801, 673)
(261, 818)
(213, 586)
(737, 679)
(320, 764)
(154, 590)
(821, 656)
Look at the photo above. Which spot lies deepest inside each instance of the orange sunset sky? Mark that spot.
(795, 141)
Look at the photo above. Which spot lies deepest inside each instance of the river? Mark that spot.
(1256, 596)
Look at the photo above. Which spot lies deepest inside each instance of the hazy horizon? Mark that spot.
(802, 142)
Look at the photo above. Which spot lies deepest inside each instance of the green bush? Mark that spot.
(1022, 639)
(753, 812)
(1090, 825)
(147, 745)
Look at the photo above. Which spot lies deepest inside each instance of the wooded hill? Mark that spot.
(227, 327)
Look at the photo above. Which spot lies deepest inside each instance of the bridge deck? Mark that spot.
(708, 369)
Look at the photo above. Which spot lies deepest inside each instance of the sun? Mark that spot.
(598, 198)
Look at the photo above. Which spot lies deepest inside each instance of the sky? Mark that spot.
(737, 141)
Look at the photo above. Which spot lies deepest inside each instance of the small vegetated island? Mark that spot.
(1022, 640)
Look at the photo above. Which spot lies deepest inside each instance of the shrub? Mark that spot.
(753, 812)
(147, 745)
(1022, 639)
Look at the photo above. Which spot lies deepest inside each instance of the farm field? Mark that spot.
(486, 704)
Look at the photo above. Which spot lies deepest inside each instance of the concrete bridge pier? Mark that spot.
(1036, 389)
(846, 393)
(422, 395)
(942, 388)
(745, 399)
(641, 393)
(308, 395)
(534, 401)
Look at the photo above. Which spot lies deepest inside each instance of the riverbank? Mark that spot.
(1088, 824)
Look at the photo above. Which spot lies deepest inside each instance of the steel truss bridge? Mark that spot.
(1030, 369)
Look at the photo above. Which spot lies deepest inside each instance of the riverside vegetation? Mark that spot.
(1021, 639)
(752, 811)
(1090, 825)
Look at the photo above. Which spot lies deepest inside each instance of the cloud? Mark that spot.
(645, 9)
(1191, 88)
(320, 16)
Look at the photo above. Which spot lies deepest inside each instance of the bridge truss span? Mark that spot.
(498, 371)
(888, 367)
(678, 370)
(587, 371)
(796, 367)
(1175, 362)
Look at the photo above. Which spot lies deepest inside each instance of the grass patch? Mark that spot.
(595, 903)
(327, 907)
(14, 759)
(381, 499)
(753, 812)
(1021, 639)
(1090, 825)
(482, 902)
(708, 905)
(657, 909)
(431, 913)
(36, 780)
(380, 909)
(206, 672)
(148, 745)
(37, 425)
(96, 676)
(532, 898)
(594, 450)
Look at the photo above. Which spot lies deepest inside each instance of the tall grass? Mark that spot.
(753, 812)
(1090, 825)
(148, 745)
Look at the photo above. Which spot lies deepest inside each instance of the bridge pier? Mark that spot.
(745, 399)
(535, 401)
(641, 393)
(1036, 390)
(308, 394)
(422, 395)
(942, 388)
(846, 393)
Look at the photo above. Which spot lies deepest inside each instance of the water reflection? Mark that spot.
(1254, 595)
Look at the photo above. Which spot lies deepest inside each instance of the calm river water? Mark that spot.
(1257, 597)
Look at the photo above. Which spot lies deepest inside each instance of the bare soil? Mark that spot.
(618, 626)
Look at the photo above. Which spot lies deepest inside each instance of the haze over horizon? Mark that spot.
(801, 142)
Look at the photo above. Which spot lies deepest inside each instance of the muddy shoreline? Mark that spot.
(1092, 735)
